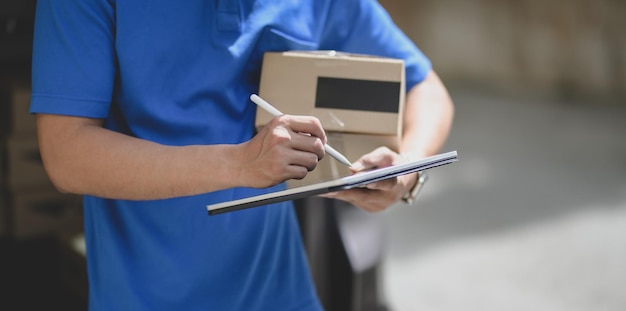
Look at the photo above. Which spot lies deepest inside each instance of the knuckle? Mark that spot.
(300, 173)
(280, 135)
(319, 145)
(314, 121)
(312, 163)
(279, 121)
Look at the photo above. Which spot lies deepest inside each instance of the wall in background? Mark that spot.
(569, 48)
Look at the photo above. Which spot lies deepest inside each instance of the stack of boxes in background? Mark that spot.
(32, 206)
(40, 228)
(359, 100)
(40, 266)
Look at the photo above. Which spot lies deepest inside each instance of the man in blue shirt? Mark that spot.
(142, 106)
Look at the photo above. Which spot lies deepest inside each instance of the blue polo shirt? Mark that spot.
(180, 73)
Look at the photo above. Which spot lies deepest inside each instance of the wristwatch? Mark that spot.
(410, 197)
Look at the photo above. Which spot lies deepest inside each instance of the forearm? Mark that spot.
(427, 122)
(428, 116)
(84, 158)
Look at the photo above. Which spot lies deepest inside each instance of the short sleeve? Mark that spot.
(73, 69)
(363, 26)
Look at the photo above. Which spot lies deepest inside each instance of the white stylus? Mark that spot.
(275, 112)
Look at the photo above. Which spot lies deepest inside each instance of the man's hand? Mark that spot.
(427, 121)
(288, 147)
(380, 195)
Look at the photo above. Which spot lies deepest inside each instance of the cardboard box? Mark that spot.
(4, 164)
(358, 98)
(4, 212)
(48, 212)
(16, 119)
(349, 93)
(25, 167)
(24, 123)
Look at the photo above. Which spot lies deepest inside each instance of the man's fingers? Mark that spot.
(384, 185)
(304, 124)
(306, 143)
(381, 157)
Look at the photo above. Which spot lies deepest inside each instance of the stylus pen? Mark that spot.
(275, 112)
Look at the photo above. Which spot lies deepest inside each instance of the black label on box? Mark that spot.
(354, 94)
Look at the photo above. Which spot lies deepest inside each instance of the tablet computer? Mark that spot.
(343, 183)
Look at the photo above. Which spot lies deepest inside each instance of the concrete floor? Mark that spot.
(532, 217)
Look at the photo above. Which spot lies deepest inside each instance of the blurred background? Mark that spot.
(532, 217)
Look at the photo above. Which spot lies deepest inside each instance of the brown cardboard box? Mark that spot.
(3, 163)
(346, 92)
(4, 211)
(16, 96)
(23, 121)
(25, 168)
(358, 98)
(47, 212)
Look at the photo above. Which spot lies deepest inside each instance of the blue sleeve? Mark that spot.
(73, 57)
(363, 26)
